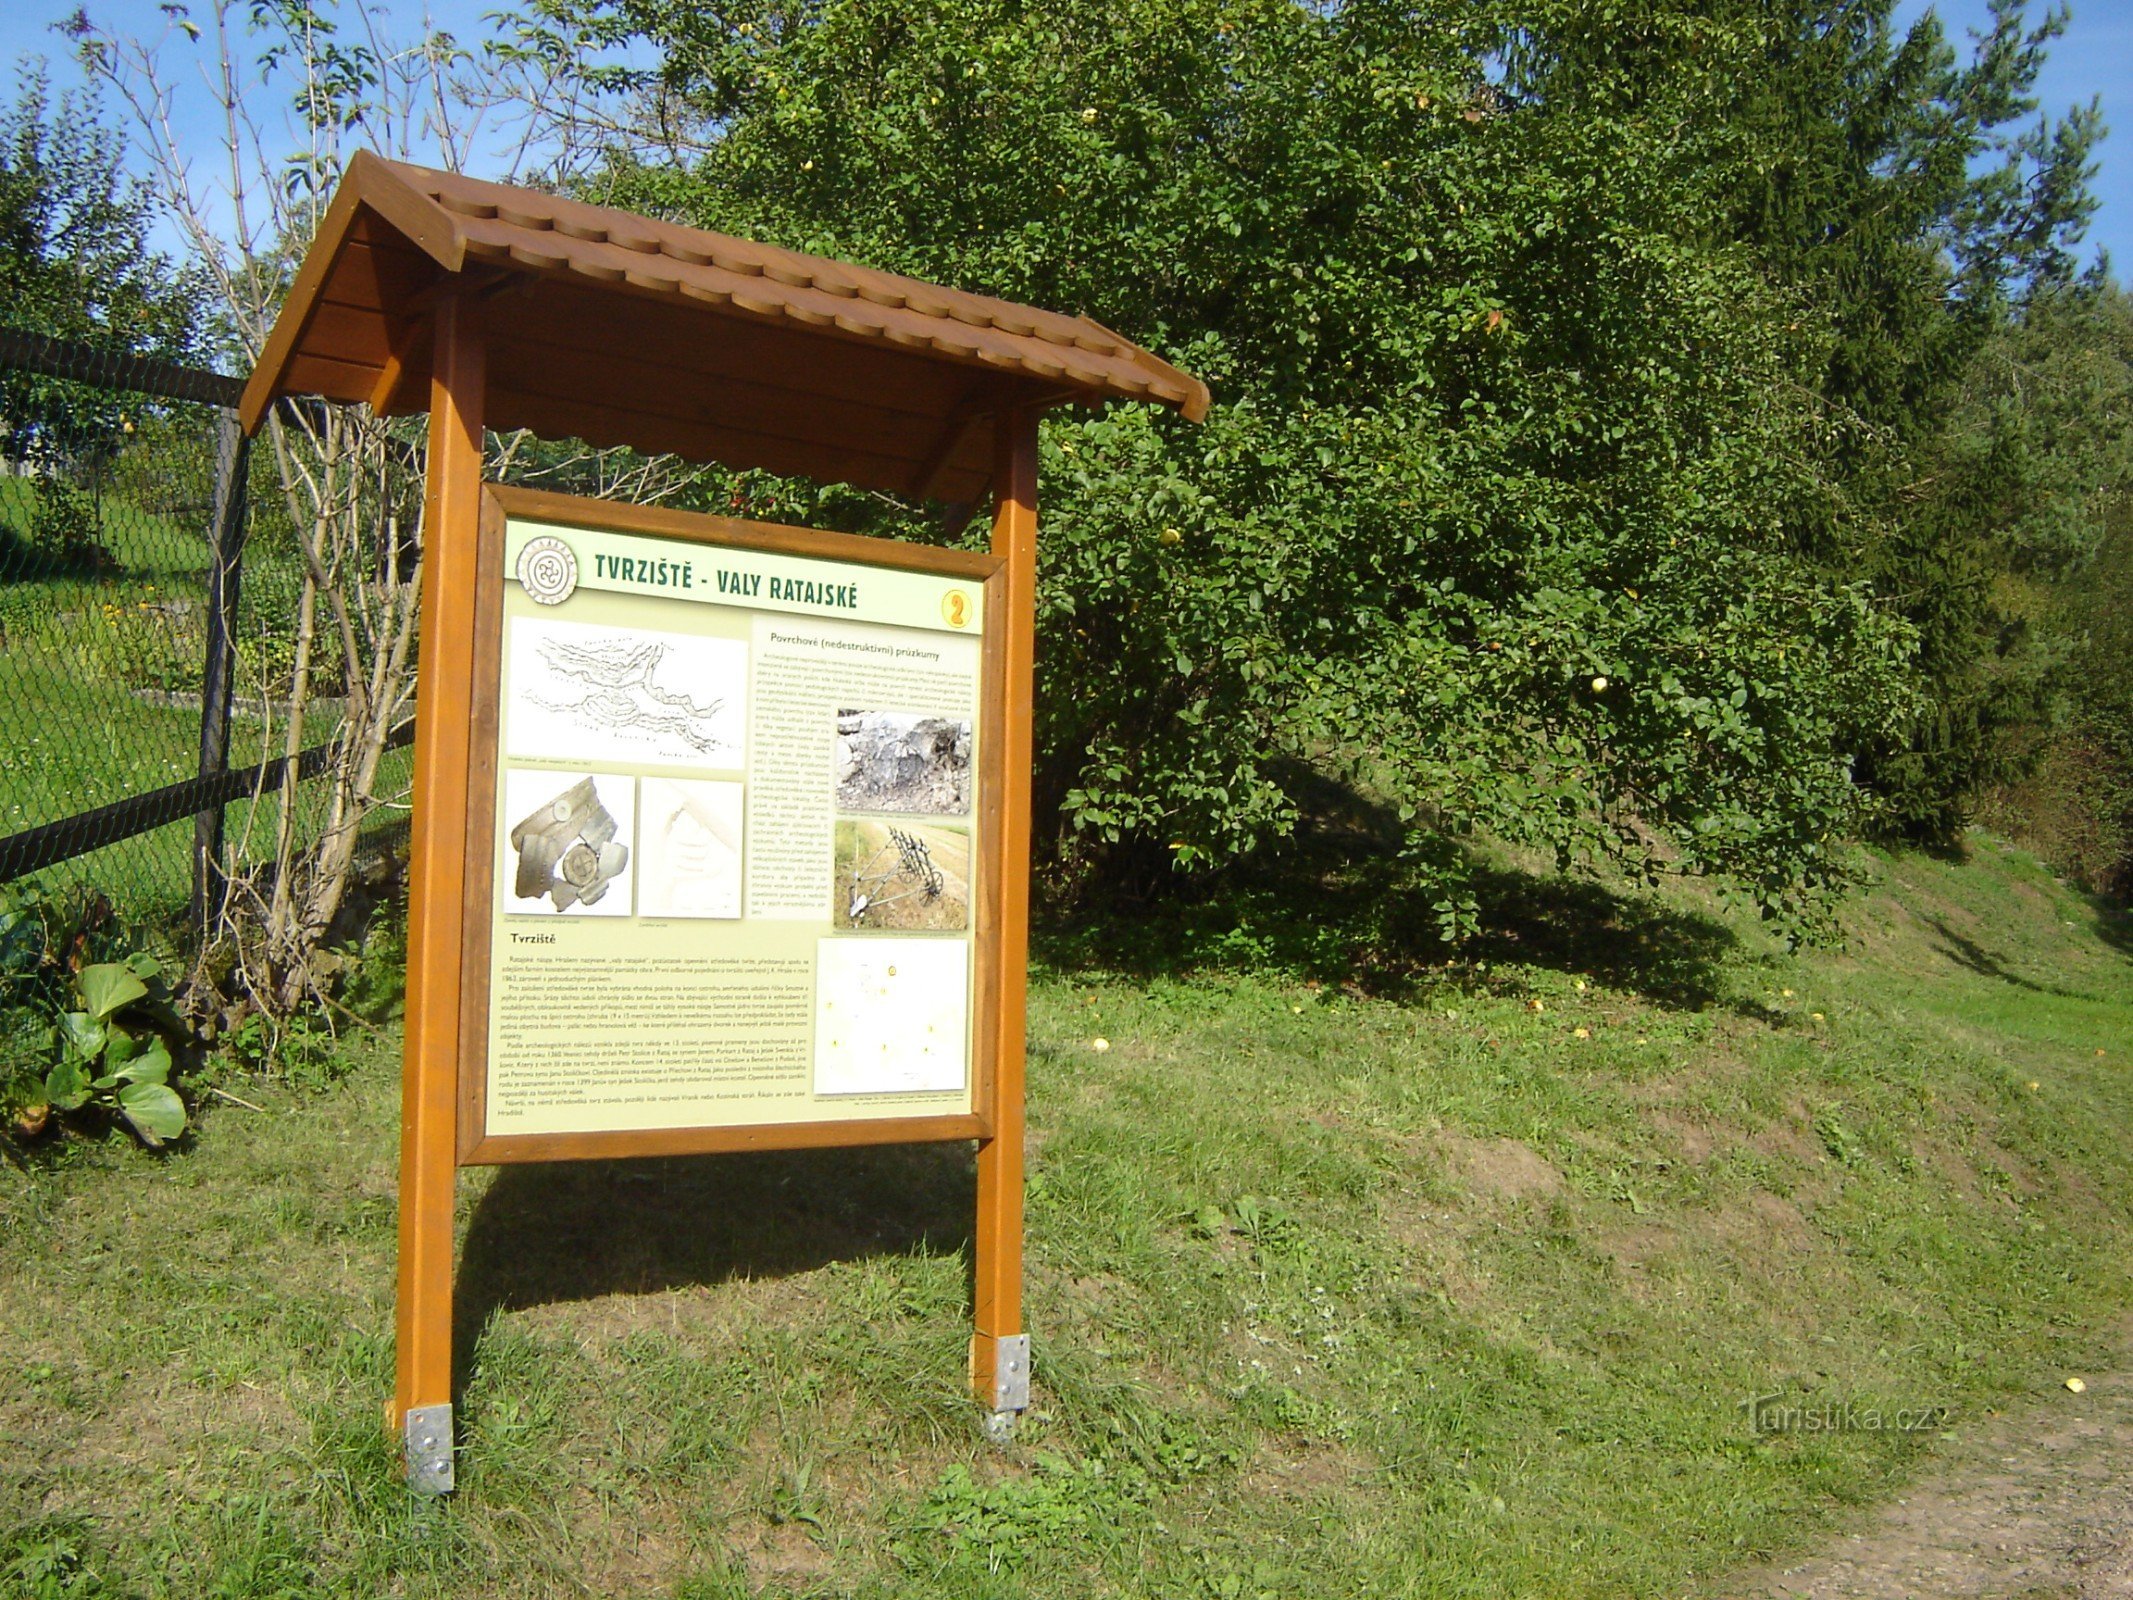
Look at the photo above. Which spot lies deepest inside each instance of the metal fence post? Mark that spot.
(233, 455)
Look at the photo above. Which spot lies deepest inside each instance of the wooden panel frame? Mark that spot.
(422, 1360)
(991, 804)
(996, 1259)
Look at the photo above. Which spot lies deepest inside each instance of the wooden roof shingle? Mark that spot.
(623, 330)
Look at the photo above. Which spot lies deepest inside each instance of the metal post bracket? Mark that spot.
(426, 1438)
(1010, 1372)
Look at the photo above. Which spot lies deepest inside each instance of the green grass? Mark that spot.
(70, 745)
(143, 542)
(95, 673)
(1417, 1280)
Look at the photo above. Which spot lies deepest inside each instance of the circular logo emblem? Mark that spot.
(547, 570)
(955, 609)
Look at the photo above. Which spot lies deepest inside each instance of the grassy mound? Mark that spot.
(1464, 1285)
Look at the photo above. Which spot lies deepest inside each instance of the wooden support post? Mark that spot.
(999, 1351)
(422, 1397)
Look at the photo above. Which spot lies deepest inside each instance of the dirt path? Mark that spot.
(2035, 1504)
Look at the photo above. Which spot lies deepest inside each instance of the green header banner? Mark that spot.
(551, 562)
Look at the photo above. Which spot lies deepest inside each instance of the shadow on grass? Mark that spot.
(563, 1231)
(2114, 923)
(1967, 952)
(1346, 902)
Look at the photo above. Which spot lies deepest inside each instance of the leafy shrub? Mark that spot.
(299, 1050)
(65, 530)
(2104, 693)
(2074, 808)
(124, 635)
(146, 641)
(22, 1021)
(114, 1049)
(82, 1037)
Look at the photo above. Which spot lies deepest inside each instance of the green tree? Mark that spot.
(2041, 445)
(2098, 743)
(75, 253)
(1901, 192)
(76, 262)
(1503, 491)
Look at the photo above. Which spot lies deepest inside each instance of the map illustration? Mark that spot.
(581, 691)
(891, 1015)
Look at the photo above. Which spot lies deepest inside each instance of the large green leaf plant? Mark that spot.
(114, 1050)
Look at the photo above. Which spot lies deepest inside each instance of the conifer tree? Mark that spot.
(1903, 194)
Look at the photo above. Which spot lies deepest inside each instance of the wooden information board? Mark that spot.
(721, 831)
(733, 840)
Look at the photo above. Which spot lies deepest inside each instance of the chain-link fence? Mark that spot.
(152, 599)
(143, 639)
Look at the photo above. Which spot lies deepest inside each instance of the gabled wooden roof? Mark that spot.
(622, 330)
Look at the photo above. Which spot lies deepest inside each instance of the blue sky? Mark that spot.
(2094, 59)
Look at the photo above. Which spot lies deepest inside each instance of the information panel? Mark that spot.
(735, 870)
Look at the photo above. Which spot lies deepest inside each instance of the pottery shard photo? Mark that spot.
(902, 761)
(570, 844)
